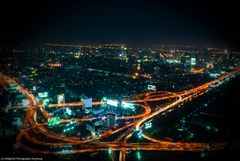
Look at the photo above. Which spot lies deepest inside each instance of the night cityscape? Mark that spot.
(119, 81)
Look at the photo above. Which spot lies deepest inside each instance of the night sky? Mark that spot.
(133, 22)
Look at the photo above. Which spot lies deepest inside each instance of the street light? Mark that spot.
(139, 134)
(138, 155)
(109, 151)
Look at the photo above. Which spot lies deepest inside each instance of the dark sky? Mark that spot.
(180, 22)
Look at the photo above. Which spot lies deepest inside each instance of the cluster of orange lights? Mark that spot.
(210, 66)
(54, 65)
(147, 76)
(197, 71)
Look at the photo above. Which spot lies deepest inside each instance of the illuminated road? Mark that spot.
(137, 146)
(32, 129)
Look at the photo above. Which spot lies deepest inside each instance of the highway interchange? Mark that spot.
(35, 134)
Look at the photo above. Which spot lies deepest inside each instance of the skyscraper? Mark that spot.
(61, 99)
(111, 120)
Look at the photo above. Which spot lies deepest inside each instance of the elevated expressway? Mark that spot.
(52, 142)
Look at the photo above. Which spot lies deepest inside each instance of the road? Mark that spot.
(32, 130)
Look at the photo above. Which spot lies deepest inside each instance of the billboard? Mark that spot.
(43, 94)
(193, 61)
(148, 125)
(112, 102)
(214, 75)
(86, 102)
(151, 87)
(127, 105)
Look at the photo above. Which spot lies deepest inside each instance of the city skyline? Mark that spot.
(119, 102)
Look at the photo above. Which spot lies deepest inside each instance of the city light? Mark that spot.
(203, 154)
(61, 99)
(68, 111)
(109, 151)
(53, 121)
(138, 153)
(127, 105)
(86, 102)
(104, 101)
(69, 127)
(151, 87)
(43, 94)
(214, 75)
(139, 134)
(193, 61)
(148, 125)
(112, 102)
(138, 67)
(45, 102)
(208, 127)
(103, 108)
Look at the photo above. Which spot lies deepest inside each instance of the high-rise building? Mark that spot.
(193, 61)
(61, 99)
(87, 104)
(119, 109)
(111, 120)
(104, 102)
